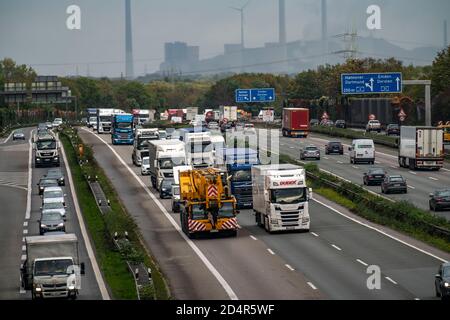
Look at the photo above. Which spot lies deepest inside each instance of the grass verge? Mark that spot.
(101, 228)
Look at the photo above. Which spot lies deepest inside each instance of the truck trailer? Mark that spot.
(52, 268)
(281, 198)
(140, 145)
(164, 156)
(295, 122)
(421, 148)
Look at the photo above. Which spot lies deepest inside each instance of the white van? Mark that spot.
(362, 151)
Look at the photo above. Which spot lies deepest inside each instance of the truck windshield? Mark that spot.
(288, 196)
(52, 267)
(242, 175)
(46, 145)
(169, 163)
(123, 125)
(105, 119)
(226, 211)
(200, 147)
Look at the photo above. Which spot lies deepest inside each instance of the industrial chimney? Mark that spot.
(324, 21)
(445, 34)
(129, 70)
(282, 21)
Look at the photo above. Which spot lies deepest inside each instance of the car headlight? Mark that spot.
(446, 284)
(56, 158)
(61, 225)
(43, 225)
(71, 287)
(38, 289)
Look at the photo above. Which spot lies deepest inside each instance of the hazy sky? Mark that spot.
(34, 31)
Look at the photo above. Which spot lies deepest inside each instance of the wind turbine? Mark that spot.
(241, 10)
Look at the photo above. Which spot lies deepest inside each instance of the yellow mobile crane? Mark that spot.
(207, 204)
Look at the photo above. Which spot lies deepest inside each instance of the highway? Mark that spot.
(420, 183)
(330, 262)
(18, 222)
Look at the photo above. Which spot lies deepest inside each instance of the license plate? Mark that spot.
(290, 228)
(214, 231)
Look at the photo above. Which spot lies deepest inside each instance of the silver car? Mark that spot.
(56, 206)
(52, 195)
(18, 135)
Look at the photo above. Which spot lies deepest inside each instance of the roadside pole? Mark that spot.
(427, 84)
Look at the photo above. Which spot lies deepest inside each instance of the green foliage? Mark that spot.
(441, 86)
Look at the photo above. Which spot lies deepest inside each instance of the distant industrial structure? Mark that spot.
(283, 57)
(129, 68)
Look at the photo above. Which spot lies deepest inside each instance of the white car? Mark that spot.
(249, 128)
(373, 125)
(145, 166)
(54, 207)
(53, 195)
(57, 122)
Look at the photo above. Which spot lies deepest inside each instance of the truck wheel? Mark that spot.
(267, 225)
(412, 165)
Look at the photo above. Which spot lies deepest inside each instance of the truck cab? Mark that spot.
(122, 129)
(104, 120)
(281, 198)
(140, 144)
(52, 268)
(238, 163)
(46, 149)
(199, 148)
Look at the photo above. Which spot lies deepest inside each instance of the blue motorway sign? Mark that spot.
(370, 83)
(255, 95)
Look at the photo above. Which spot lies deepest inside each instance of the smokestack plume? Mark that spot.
(324, 21)
(282, 21)
(129, 69)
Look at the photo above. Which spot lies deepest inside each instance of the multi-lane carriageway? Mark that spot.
(330, 262)
(19, 211)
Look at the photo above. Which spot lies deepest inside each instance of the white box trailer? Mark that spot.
(191, 113)
(229, 113)
(281, 197)
(421, 148)
(52, 268)
(164, 156)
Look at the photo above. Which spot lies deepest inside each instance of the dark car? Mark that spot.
(440, 199)
(165, 189)
(58, 175)
(18, 135)
(314, 122)
(341, 124)
(393, 130)
(375, 176)
(394, 184)
(442, 281)
(45, 182)
(225, 127)
(334, 147)
(51, 221)
(310, 152)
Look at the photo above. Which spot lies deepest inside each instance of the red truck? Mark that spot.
(295, 122)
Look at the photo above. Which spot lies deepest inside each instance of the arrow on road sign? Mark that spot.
(370, 86)
(398, 83)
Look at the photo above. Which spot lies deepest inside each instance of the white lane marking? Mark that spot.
(84, 233)
(362, 262)
(315, 234)
(311, 285)
(340, 162)
(289, 267)
(445, 169)
(25, 224)
(21, 291)
(271, 252)
(380, 231)
(355, 167)
(291, 147)
(23, 239)
(377, 162)
(194, 247)
(13, 186)
(23, 257)
(24, 248)
(254, 238)
(394, 167)
(412, 187)
(25, 231)
(432, 178)
(30, 177)
(336, 247)
(7, 139)
(414, 173)
(389, 279)
(326, 158)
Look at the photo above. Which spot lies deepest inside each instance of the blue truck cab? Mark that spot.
(122, 129)
(239, 162)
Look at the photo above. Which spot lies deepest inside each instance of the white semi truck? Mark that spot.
(281, 197)
(421, 148)
(104, 118)
(52, 268)
(164, 156)
(141, 141)
(199, 148)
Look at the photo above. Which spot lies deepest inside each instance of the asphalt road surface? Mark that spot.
(331, 261)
